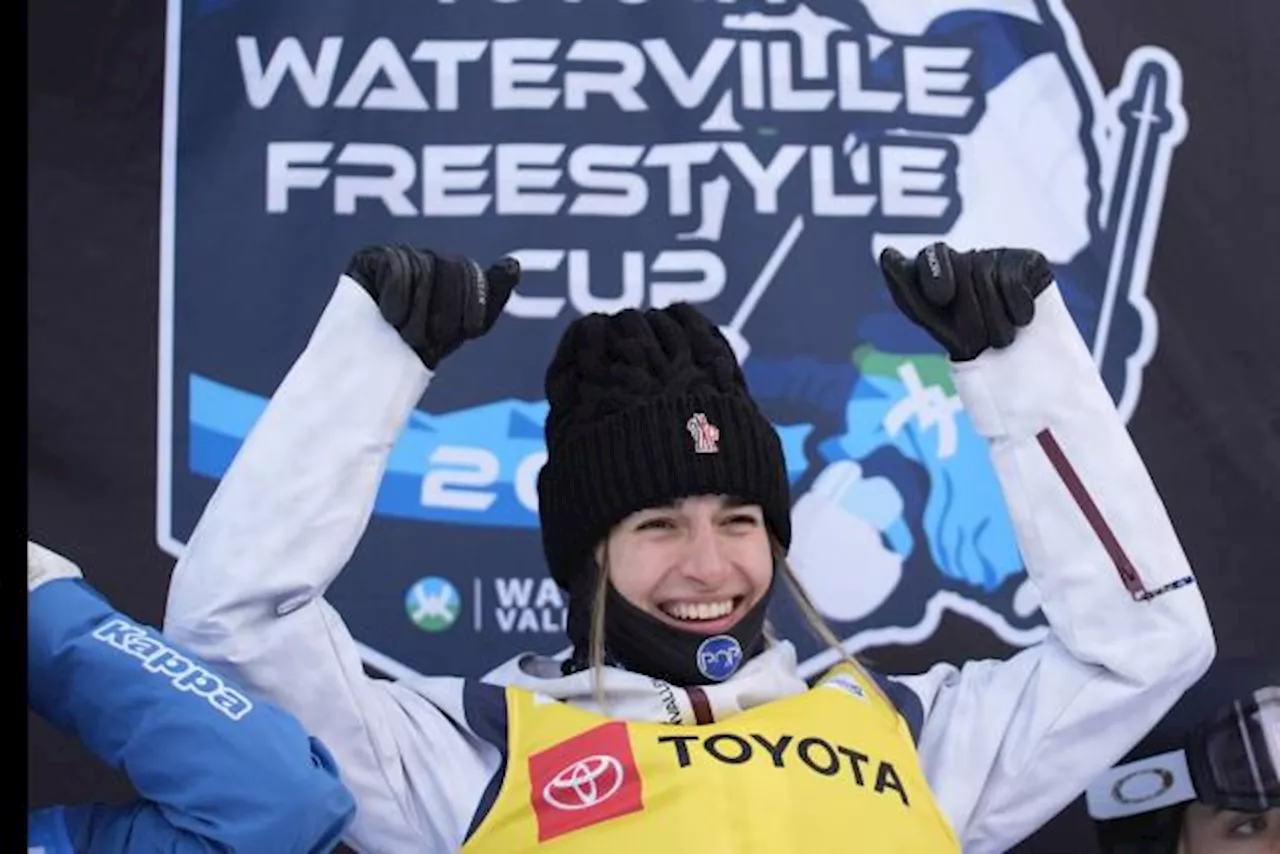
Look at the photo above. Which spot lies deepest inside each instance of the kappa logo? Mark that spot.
(183, 673)
(706, 436)
(585, 780)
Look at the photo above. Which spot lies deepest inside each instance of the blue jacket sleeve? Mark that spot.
(216, 769)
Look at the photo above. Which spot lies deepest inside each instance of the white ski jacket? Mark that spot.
(1005, 745)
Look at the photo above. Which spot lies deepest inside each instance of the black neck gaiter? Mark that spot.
(644, 644)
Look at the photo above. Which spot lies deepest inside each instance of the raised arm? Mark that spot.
(1008, 744)
(248, 591)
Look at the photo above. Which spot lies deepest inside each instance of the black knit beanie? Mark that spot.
(647, 407)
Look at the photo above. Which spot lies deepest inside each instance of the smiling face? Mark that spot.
(1206, 830)
(699, 564)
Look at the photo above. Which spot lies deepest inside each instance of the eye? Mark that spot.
(656, 523)
(742, 520)
(1251, 826)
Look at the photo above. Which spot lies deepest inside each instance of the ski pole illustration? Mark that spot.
(1150, 133)
(733, 330)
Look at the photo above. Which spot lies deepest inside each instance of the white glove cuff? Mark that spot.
(44, 565)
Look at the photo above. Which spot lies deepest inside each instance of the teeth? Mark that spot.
(699, 610)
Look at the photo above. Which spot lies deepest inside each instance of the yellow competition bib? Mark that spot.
(833, 769)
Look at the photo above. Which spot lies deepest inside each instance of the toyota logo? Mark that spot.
(585, 783)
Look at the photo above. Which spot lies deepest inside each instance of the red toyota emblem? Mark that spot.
(585, 780)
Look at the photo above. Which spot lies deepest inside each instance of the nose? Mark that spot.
(705, 562)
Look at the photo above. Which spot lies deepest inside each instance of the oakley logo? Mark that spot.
(1142, 785)
(585, 783)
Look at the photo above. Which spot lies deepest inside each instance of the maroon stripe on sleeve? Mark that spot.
(1128, 573)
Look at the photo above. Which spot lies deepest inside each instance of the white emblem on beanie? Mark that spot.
(706, 436)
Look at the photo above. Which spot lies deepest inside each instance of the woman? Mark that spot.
(216, 769)
(1206, 779)
(665, 516)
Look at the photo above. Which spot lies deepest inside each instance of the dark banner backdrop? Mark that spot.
(139, 388)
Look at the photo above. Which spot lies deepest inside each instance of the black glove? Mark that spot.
(435, 302)
(968, 301)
